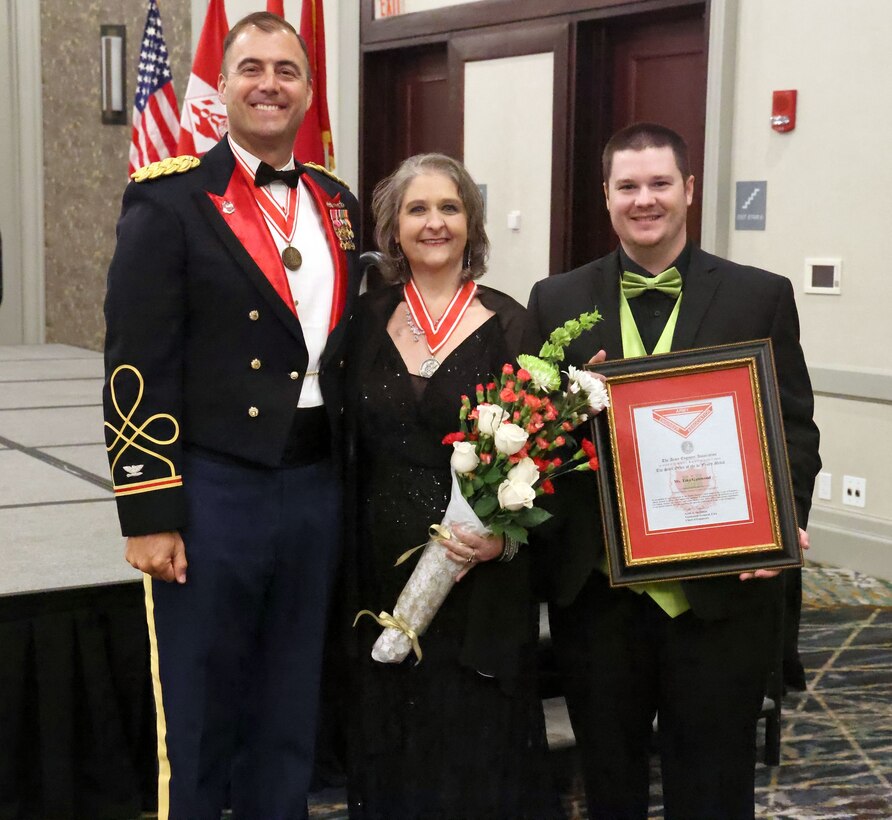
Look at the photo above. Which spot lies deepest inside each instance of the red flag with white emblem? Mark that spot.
(314, 143)
(204, 122)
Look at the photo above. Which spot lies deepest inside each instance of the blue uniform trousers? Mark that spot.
(237, 649)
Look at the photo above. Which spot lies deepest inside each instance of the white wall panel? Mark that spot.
(508, 135)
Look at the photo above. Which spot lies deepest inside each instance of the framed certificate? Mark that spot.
(694, 478)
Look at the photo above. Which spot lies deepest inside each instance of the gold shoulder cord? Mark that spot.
(166, 167)
(323, 170)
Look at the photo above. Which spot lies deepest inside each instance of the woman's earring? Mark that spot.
(468, 258)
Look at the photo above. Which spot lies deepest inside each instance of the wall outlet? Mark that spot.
(854, 490)
(825, 486)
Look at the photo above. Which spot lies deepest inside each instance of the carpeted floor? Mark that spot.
(836, 754)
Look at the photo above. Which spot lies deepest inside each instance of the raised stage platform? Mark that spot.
(75, 701)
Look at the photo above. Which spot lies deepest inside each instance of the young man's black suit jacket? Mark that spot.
(200, 349)
(722, 303)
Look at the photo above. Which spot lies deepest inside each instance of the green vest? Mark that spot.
(668, 594)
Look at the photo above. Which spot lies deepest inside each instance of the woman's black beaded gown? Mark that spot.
(437, 739)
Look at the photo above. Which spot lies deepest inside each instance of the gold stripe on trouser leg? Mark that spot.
(163, 762)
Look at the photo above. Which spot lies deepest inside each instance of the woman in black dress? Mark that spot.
(461, 734)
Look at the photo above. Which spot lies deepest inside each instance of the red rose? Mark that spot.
(508, 395)
(507, 369)
(523, 375)
(449, 438)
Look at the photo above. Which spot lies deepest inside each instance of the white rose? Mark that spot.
(489, 417)
(524, 471)
(591, 385)
(515, 494)
(464, 457)
(510, 439)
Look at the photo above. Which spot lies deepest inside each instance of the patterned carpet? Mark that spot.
(836, 754)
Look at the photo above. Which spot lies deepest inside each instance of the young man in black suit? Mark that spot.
(228, 298)
(696, 652)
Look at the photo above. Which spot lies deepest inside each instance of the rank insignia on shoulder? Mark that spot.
(166, 167)
(323, 170)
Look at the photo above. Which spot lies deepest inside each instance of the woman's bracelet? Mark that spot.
(510, 548)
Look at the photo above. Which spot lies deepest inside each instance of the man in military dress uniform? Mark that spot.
(228, 296)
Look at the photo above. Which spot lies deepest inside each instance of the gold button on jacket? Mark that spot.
(253, 412)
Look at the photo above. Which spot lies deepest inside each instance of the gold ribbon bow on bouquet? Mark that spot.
(388, 621)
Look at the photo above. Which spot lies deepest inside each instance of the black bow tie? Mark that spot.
(266, 174)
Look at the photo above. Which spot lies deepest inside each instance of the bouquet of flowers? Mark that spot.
(511, 445)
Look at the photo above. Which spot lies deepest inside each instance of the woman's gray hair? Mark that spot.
(388, 198)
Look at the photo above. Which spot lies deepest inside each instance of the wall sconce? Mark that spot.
(111, 47)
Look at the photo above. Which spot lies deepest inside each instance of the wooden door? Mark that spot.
(405, 111)
(630, 71)
(660, 76)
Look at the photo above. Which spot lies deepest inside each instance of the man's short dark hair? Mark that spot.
(268, 22)
(643, 135)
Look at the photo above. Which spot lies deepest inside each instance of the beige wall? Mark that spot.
(827, 181)
(85, 162)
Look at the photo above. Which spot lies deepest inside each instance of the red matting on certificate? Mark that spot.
(695, 477)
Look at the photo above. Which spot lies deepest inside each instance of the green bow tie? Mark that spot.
(668, 282)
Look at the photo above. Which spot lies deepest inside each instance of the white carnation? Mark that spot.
(589, 383)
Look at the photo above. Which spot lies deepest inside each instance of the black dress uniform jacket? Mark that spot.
(200, 348)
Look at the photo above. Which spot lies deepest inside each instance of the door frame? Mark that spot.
(23, 241)
(492, 13)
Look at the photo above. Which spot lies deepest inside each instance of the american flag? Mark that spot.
(156, 117)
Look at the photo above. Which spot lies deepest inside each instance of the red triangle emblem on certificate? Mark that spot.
(683, 420)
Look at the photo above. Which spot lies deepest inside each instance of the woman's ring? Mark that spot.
(470, 559)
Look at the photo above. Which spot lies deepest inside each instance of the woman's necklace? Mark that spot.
(436, 334)
(416, 331)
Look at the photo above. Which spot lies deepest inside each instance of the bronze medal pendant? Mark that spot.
(292, 258)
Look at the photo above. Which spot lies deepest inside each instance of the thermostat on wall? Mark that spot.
(823, 275)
